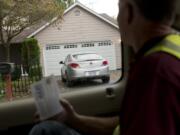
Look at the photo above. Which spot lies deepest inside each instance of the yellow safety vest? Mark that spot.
(116, 130)
(171, 45)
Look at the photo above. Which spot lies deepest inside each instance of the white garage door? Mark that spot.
(53, 54)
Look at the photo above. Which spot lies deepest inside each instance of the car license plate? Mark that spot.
(92, 73)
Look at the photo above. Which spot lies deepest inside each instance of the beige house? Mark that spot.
(81, 30)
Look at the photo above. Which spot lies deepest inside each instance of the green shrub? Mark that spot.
(30, 52)
(16, 74)
(31, 58)
(35, 72)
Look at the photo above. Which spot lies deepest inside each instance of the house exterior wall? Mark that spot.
(80, 28)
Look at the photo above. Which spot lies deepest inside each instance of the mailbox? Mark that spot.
(6, 68)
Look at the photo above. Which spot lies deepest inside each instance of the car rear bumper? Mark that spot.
(81, 74)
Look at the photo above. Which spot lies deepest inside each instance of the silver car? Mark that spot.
(84, 66)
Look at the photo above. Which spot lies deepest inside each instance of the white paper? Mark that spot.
(46, 95)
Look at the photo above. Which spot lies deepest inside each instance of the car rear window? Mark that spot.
(87, 57)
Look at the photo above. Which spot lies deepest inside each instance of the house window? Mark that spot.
(105, 43)
(70, 46)
(77, 12)
(88, 45)
(52, 47)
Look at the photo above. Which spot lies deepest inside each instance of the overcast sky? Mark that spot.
(102, 6)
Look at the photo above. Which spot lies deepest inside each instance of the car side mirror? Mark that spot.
(61, 62)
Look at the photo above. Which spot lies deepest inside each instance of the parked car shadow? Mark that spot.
(114, 76)
(82, 83)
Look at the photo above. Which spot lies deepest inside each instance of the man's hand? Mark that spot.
(67, 115)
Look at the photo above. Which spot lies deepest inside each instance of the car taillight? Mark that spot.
(74, 65)
(105, 63)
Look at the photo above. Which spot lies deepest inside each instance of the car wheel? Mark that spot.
(69, 83)
(106, 79)
(62, 78)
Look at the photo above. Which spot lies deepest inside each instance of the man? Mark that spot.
(151, 105)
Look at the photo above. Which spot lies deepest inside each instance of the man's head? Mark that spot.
(137, 14)
(156, 10)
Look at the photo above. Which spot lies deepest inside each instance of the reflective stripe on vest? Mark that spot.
(170, 45)
(116, 131)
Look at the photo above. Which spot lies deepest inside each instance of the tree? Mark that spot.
(67, 3)
(17, 15)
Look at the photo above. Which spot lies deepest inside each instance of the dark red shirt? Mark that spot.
(151, 105)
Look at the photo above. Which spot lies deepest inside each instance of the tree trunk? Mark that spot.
(7, 49)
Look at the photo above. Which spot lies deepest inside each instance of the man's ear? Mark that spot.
(130, 13)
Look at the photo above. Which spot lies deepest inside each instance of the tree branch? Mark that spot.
(1, 33)
(11, 10)
(11, 36)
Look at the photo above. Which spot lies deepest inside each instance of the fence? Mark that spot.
(22, 78)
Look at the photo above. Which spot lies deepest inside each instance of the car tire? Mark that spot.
(106, 79)
(69, 83)
(62, 78)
